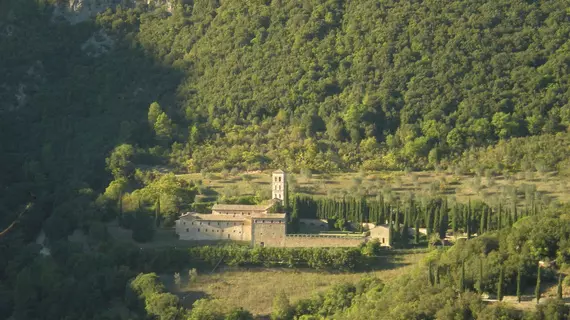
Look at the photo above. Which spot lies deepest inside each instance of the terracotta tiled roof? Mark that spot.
(241, 207)
(211, 217)
(270, 216)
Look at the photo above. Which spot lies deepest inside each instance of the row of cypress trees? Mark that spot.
(434, 279)
(436, 215)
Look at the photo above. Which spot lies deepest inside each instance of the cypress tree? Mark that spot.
(462, 279)
(516, 215)
(157, 211)
(509, 219)
(294, 222)
(443, 224)
(430, 278)
(404, 233)
(537, 288)
(397, 219)
(519, 289)
(500, 218)
(417, 231)
(480, 284)
(454, 216)
(482, 222)
(390, 233)
(559, 288)
(437, 274)
(468, 224)
(429, 221)
(500, 284)
(488, 220)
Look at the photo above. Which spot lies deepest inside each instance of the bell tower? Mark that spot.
(279, 186)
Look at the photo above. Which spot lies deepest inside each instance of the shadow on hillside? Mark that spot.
(80, 109)
(384, 262)
(76, 109)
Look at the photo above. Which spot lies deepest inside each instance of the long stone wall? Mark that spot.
(196, 230)
(323, 241)
(269, 234)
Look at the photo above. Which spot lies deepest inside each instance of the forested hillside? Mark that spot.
(384, 84)
(211, 85)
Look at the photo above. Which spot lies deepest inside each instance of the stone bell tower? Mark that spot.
(279, 186)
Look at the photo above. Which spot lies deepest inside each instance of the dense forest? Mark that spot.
(212, 85)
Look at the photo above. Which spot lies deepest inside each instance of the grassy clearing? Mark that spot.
(254, 289)
(395, 183)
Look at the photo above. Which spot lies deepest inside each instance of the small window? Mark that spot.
(184, 222)
(383, 240)
(198, 229)
(228, 236)
(208, 223)
(279, 179)
(218, 223)
(205, 230)
(187, 230)
(192, 222)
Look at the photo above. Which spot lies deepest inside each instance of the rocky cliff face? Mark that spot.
(76, 11)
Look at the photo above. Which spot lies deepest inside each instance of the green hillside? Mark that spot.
(384, 84)
(212, 85)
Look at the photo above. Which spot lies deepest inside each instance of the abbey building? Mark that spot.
(263, 225)
(257, 224)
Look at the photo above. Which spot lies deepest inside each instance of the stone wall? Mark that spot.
(322, 241)
(223, 230)
(270, 233)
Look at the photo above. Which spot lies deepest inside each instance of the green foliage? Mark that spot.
(251, 85)
(120, 162)
(281, 309)
(205, 309)
(301, 70)
(239, 314)
(500, 284)
(552, 309)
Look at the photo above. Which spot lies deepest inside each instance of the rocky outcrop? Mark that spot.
(76, 11)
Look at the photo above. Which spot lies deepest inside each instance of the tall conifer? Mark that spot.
(455, 217)
(480, 283)
(559, 288)
(462, 279)
(519, 288)
(417, 231)
(500, 284)
(537, 288)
